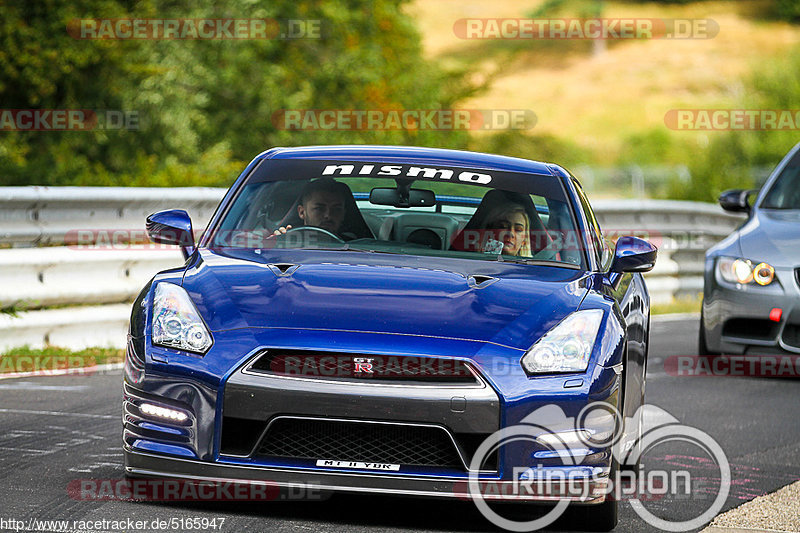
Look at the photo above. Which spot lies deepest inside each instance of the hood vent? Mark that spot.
(480, 281)
(283, 270)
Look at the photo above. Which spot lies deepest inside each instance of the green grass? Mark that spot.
(680, 305)
(26, 359)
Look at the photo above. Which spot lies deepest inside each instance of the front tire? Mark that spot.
(702, 346)
(603, 516)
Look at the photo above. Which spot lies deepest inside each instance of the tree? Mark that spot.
(205, 107)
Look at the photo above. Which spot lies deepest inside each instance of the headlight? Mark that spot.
(742, 271)
(176, 322)
(567, 347)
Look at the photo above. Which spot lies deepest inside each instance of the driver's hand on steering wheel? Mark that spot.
(282, 230)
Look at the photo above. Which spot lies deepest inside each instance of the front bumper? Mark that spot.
(588, 489)
(737, 317)
(504, 397)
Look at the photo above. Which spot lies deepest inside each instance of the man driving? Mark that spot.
(322, 205)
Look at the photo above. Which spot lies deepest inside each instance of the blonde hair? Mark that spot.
(511, 209)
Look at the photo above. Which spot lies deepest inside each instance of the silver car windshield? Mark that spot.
(785, 191)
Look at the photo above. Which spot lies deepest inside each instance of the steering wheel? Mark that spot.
(330, 236)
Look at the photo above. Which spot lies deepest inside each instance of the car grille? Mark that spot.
(341, 440)
(791, 335)
(750, 328)
(365, 367)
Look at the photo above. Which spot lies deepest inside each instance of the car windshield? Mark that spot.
(409, 209)
(785, 192)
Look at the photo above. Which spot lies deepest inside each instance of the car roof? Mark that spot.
(406, 154)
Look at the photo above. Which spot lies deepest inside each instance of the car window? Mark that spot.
(785, 191)
(410, 210)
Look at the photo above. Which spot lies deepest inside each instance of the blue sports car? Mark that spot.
(364, 318)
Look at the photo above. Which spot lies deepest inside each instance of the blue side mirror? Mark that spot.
(172, 227)
(633, 254)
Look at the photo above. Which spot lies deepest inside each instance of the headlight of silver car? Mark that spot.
(176, 322)
(745, 271)
(567, 347)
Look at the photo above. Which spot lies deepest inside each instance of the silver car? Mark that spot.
(751, 296)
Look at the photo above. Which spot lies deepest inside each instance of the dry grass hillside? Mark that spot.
(599, 100)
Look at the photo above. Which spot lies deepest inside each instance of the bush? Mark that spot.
(730, 159)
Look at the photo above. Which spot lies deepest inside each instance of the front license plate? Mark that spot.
(356, 464)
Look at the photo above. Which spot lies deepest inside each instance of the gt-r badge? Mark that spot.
(362, 365)
(357, 464)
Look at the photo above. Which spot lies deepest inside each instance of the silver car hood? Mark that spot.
(772, 236)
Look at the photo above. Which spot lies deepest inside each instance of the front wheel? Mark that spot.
(702, 346)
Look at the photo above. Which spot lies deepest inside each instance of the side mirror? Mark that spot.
(735, 200)
(633, 254)
(172, 227)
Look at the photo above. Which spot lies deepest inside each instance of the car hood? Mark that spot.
(772, 236)
(385, 294)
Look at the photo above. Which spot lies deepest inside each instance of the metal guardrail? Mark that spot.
(36, 216)
(31, 217)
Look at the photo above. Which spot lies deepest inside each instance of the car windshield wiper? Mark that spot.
(531, 261)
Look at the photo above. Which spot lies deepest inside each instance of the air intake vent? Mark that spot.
(365, 368)
(479, 282)
(283, 269)
(369, 442)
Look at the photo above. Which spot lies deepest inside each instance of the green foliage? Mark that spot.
(10, 310)
(655, 146)
(205, 106)
(729, 158)
(542, 147)
(788, 10)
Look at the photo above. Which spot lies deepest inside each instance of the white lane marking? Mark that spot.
(94, 466)
(55, 413)
(29, 385)
(24, 450)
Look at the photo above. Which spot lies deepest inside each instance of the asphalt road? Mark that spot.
(55, 431)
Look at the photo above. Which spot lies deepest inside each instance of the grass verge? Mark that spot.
(680, 305)
(26, 359)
